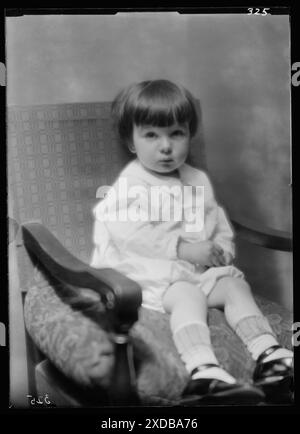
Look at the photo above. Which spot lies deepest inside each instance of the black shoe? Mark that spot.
(212, 391)
(275, 377)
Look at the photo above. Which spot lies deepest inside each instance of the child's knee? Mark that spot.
(182, 292)
(237, 287)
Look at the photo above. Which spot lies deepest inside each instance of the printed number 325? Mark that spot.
(258, 11)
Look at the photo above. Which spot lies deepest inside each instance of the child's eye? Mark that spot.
(150, 135)
(178, 133)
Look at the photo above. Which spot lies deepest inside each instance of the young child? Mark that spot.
(184, 265)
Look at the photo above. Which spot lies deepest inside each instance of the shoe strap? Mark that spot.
(267, 352)
(204, 367)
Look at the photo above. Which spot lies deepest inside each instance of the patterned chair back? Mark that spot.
(58, 155)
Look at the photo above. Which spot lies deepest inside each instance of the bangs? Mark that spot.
(163, 104)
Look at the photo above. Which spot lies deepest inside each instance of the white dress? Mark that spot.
(134, 234)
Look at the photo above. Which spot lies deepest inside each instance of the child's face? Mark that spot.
(161, 149)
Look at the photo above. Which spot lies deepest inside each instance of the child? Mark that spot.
(184, 265)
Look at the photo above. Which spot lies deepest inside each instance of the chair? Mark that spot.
(88, 340)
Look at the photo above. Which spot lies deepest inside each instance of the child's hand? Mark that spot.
(210, 254)
(228, 258)
(204, 253)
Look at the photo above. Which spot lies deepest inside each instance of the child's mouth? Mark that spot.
(166, 160)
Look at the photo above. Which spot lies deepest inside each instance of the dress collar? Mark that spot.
(188, 175)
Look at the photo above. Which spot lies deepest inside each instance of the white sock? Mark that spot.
(261, 343)
(258, 345)
(193, 343)
(194, 346)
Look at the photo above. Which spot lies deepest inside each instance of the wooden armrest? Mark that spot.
(120, 294)
(263, 236)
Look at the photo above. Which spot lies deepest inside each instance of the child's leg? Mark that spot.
(244, 316)
(274, 364)
(187, 306)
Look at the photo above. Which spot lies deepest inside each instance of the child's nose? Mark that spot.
(165, 145)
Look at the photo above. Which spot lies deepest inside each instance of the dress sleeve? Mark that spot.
(223, 233)
(128, 223)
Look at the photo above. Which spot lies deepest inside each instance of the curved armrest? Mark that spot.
(120, 294)
(263, 236)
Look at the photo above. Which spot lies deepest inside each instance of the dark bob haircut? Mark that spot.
(159, 103)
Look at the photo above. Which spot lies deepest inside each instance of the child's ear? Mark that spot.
(131, 147)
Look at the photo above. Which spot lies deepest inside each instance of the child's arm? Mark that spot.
(223, 234)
